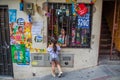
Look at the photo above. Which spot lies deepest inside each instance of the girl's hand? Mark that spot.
(64, 45)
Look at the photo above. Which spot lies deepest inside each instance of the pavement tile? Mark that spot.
(101, 72)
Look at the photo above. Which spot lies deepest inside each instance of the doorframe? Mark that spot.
(115, 2)
(12, 73)
(115, 24)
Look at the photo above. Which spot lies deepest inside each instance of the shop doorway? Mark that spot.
(6, 68)
(108, 50)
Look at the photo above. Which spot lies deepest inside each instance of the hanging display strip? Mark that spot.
(70, 30)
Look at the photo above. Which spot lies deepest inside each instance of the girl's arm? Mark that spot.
(58, 48)
(49, 49)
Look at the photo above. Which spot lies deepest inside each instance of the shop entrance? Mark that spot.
(6, 68)
(109, 38)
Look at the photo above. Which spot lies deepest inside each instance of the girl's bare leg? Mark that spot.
(53, 68)
(59, 68)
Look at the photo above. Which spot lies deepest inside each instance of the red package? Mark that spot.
(82, 9)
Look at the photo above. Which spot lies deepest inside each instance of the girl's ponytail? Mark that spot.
(54, 47)
(54, 44)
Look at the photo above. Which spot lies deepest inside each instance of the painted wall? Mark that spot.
(83, 58)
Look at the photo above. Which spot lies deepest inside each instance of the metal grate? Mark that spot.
(6, 68)
(66, 58)
(37, 57)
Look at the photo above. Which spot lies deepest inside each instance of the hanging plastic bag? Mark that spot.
(73, 9)
(82, 9)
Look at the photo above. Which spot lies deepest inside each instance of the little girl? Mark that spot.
(53, 50)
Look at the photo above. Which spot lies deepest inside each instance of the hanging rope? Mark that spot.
(52, 20)
(67, 27)
(67, 20)
(69, 24)
(57, 19)
(62, 16)
(47, 3)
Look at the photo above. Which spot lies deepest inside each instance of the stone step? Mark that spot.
(105, 39)
(105, 45)
(104, 36)
(105, 42)
(101, 48)
(105, 50)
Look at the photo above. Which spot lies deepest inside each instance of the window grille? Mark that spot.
(77, 28)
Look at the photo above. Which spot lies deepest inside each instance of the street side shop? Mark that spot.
(32, 23)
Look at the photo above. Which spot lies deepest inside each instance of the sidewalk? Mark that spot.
(102, 72)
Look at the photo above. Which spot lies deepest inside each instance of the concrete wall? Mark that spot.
(83, 58)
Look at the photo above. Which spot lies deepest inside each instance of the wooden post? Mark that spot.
(113, 29)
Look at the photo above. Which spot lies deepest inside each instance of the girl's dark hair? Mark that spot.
(54, 44)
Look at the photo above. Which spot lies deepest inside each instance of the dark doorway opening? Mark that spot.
(6, 67)
(107, 51)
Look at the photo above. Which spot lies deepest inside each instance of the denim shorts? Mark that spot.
(54, 59)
